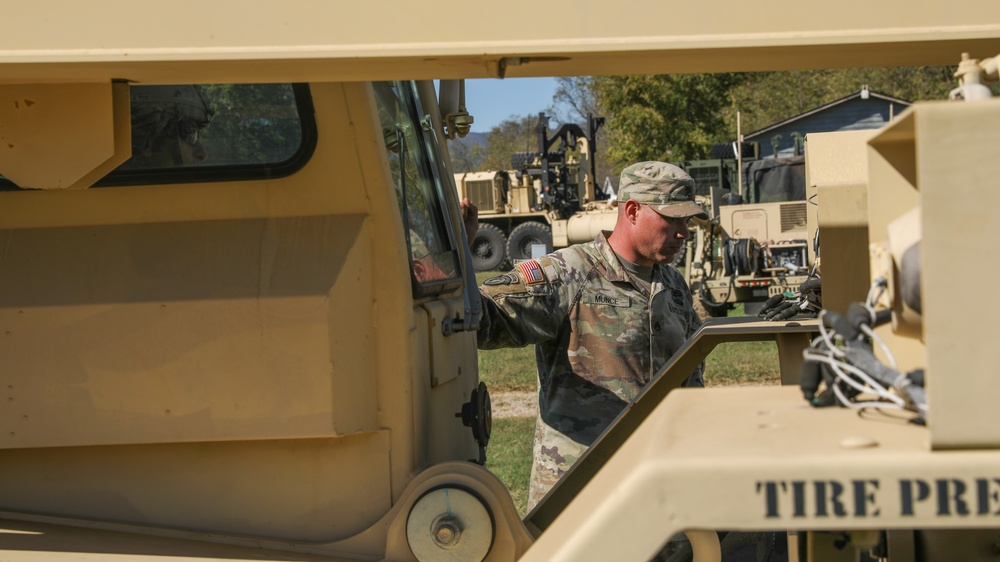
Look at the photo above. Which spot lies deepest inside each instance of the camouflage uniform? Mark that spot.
(599, 338)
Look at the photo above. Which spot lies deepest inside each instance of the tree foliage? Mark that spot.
(253, 123)
(575, 101)
(680, 117)
(766, 98)
(516, 134)
(466, 155)
(663, 117)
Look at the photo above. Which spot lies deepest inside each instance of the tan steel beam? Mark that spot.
(314, 40)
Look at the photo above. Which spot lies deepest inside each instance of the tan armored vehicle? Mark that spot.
(237, 308)
(759, 240)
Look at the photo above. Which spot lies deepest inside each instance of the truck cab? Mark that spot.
(239, 312)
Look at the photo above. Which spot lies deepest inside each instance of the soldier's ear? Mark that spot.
(632, 210)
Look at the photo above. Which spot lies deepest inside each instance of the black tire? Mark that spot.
(524, 236)
(488, 248)
(706, 308)
(714, 310)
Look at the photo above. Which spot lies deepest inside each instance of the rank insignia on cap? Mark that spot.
(531, 271)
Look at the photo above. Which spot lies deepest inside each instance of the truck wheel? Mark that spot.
(526, 235)
(705, 307)
(488, 248)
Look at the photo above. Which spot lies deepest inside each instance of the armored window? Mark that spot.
(411, 150)
(215, 132)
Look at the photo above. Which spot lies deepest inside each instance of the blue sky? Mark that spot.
(491, 100)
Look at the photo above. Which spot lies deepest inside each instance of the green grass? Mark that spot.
(742, 363)
(513, 370)
(509, 456)
(508, 370)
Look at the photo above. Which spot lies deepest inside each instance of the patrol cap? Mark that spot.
(668, 189)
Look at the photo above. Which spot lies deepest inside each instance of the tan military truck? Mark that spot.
(547, 200)
(237, 310)
(758, 242)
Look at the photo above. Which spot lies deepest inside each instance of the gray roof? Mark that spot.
(856, 95)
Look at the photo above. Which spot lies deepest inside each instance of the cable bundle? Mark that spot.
(842, 359)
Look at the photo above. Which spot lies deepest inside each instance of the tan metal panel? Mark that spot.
(292, 489)
(94, 134)
(763, 459)
(168, 332)
(960, 228)
(206, 311)
(892, 192)
(311, 39)
(837, 173)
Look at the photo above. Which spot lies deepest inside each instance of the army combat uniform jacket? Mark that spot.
(599, 339)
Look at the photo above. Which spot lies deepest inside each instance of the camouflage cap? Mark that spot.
(418, 249)
(666, 188)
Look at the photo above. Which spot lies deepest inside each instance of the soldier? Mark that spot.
(425, 268)
(604, 316)
(167, 122)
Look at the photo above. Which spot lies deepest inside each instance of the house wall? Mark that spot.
(852, 115)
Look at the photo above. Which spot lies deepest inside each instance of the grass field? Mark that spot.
(513, 370)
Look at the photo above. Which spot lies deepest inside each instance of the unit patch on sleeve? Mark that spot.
(531, 272)
(502, 279)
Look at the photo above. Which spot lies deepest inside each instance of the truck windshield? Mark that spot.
(409, 148)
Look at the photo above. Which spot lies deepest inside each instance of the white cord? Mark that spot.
(824, 350)
(827, 338)
(838, 367)
(872, 298)
(881, 344)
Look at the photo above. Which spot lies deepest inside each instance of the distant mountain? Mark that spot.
(468, 153)
(474, 138)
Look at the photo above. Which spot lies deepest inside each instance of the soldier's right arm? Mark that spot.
(519, 312)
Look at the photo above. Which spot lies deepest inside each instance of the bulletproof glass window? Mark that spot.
(218, 131)
(215, 132)
(411, 150)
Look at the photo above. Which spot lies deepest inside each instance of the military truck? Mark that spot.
(546, 200)
(758, 241)
(219, 345)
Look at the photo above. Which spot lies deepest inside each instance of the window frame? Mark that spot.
(220, 173)
(431, 166)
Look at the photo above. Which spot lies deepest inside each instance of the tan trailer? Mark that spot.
(218, 342)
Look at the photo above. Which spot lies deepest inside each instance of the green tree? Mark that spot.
(664, 117)
(575, 101)
(515, 134)
(765, 98)
(252, 123)
(466, 155)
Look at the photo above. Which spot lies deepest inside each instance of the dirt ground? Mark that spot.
(514, 404)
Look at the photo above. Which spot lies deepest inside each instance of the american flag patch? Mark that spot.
(531, 271)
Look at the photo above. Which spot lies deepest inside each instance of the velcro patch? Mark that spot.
(502, 279)
(678, 297)
(531, 272)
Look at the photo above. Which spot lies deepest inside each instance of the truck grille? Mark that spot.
(793, 216)
(705, 178)
(481, 194)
